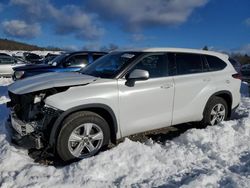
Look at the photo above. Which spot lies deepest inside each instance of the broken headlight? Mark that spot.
(39, 98)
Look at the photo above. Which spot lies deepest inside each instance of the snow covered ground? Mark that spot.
(217, 156)
(20, 53)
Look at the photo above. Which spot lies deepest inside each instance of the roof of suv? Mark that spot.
(185, 50)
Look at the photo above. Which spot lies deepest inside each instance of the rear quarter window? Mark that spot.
(234, 62)
(215, 63)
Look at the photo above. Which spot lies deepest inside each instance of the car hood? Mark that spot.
(49, 80)
(33, 67)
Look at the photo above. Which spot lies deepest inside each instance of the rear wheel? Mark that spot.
(82, 135)
(215, 112)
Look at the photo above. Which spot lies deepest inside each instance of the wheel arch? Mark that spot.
(226, 95)
(101, 109)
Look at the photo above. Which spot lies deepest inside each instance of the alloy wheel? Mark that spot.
(217, 114)
(85, 140)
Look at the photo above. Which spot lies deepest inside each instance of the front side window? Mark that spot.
(110, 65)
(156, 65)
(188, 63)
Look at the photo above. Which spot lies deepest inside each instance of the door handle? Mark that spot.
(167, 86)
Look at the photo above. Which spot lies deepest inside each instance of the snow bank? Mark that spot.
(217, 156)
(20, 53)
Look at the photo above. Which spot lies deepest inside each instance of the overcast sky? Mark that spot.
(219, 24)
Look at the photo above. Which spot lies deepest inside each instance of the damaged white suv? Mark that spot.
(76, 114)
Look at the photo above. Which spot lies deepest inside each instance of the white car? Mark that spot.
(7, 63)
(120, 94)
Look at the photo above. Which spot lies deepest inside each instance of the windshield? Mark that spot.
(49, 60)
(110, 65)
(58, 59)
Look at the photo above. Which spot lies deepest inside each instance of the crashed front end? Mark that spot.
(31, 119)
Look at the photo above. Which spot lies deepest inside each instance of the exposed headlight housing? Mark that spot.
(48, 106)
(39, 98)
(18, 74)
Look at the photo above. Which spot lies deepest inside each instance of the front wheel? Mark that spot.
(215, 112)
(82, 135)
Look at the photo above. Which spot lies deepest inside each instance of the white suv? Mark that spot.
(122, 93)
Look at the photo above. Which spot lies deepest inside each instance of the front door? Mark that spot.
(148, 104)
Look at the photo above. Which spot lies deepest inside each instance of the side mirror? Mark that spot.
(54, 64)
(136, 75)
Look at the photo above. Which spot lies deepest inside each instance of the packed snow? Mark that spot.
(20, 53)
(217, 156)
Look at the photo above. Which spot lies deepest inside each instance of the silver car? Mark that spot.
(7, 63)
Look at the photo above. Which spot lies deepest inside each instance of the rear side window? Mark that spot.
(215, 63)
(234, 62)
(188, 63)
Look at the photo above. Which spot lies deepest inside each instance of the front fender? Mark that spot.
(100, 94)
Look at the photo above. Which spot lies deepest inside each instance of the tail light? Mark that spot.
(237, 76)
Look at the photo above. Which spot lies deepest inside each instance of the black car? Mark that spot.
(245, 71)
(48, 59)
(4, 54)
(67, 62)
(32, 58)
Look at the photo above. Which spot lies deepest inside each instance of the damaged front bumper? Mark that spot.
(24, 134)
(32, 135)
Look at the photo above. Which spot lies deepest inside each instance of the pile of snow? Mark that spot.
(217, 156)
(20, 53)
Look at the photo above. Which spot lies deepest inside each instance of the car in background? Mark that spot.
(67, 62)
(50, 55)
(245, 71)
(7, 63)
(49, 58)
(32, 58)
(4, 54)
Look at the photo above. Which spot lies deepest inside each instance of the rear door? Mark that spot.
(192, 85)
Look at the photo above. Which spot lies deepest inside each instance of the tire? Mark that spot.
(82, 135)
(213, 113)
